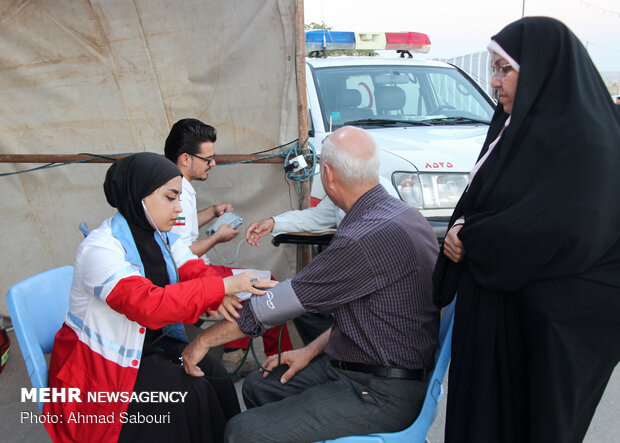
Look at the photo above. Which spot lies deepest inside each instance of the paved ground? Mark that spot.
(605, 427)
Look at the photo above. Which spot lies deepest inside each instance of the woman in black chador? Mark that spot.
(533, 249)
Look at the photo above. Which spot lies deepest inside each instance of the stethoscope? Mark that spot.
(176, 270)
(164, 241)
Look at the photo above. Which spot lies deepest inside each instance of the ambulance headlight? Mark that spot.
(430, 190)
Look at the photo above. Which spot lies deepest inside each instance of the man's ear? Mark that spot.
(328, 174)
(184, 160)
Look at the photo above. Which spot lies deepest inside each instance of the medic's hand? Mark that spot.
(228, 308)
(259, 229)
(247, 282)
(452, 246)
(192, 354)
(221, 208)
(225, 233)
(297, 359)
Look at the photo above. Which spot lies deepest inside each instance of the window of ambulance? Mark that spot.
(402, 94)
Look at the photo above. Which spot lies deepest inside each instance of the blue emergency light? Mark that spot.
(322, 38)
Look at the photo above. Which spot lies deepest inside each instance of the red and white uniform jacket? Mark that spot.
(100, 344)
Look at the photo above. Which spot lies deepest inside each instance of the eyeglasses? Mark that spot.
(500, 71)
(207, 159)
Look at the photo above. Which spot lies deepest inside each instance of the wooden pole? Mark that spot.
(109, 158)
(302, 102)
(304, 252)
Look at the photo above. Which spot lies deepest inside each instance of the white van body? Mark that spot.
(429, 119)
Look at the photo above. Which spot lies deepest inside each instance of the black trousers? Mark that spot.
(321, 402)
(201, 417)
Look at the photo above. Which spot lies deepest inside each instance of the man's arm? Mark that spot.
(223, 234)
(218, 334)
(278, 305)
(320, 218)
(317, 219)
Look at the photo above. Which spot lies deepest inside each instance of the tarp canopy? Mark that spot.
(111, 76)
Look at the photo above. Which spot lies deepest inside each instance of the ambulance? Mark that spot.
(429, 118)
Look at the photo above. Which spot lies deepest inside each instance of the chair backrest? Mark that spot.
(347, 106)
(38, 306)
(349, 98)
(416, 433)
(389, 100)
(84, 228)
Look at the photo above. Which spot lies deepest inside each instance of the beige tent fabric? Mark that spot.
(112, 76)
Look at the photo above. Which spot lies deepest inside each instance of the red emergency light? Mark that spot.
(412, 41)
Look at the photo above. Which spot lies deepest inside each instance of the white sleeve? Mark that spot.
(181, 252)
(100, 264)
(320, 218)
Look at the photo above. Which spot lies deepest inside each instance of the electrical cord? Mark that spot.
(55, 165)
(234, 259)
(311, 158)
(309, 155)
(110, 156)
(277, 147)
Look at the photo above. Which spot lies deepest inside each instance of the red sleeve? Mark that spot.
(154, 307)
(195, 269)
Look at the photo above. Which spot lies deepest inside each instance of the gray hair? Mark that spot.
(350, 167)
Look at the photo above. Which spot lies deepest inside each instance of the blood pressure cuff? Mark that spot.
(278, 305)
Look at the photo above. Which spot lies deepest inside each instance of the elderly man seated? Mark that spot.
(368, 373)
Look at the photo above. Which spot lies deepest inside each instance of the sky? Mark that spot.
(458, 27)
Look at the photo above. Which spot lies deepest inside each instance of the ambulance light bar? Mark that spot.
(320, 39)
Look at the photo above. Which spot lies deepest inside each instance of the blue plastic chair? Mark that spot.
(419, 429)
(84, 228)
(38, 306)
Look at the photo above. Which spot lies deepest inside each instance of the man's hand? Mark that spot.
(221, 208)
(259, 229)
(225, 233)
(218, 334)
(192, 354)
(297, 359)
(452, 246)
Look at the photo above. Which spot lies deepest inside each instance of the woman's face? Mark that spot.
(163, 205)
(505, 81)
